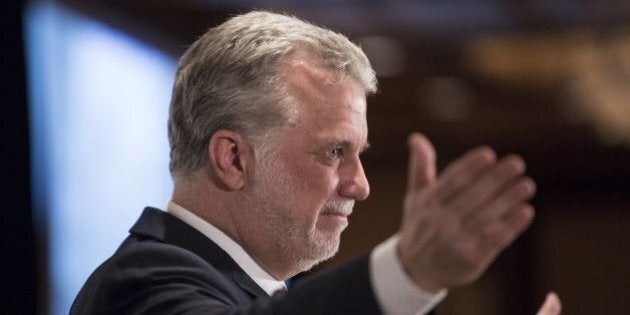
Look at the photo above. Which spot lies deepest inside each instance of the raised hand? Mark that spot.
(456, 224)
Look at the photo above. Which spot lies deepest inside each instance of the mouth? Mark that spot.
(338, 209)
(334, 215)
(338, 216)
(337, 221)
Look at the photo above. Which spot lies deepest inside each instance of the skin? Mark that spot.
(311, 173)
(455, 224)
(551, 306)
(287, 202)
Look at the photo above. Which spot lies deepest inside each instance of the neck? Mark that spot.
(207, 202)
(229, 212)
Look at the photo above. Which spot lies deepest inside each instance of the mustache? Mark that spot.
(338, 207)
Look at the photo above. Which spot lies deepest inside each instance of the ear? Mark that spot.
(228, 155)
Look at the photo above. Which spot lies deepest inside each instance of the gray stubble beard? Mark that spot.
(300, 247)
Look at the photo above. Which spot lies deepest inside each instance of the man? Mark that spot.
(267, 123)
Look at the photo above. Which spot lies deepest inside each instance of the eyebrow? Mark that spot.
(347, 144)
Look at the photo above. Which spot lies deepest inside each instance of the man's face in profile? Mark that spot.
(307, 180)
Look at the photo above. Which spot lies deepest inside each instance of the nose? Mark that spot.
(353, 182)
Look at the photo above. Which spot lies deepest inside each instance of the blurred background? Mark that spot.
(87, 87)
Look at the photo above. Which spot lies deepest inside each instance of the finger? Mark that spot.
(498, 235)
(551, 306)
(487, 187)
(421, 162)
(460, 174)
(516, 192)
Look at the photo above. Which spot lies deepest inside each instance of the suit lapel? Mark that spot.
(248, 285)
(160, 225)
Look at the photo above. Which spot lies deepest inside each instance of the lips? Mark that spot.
(336, 214)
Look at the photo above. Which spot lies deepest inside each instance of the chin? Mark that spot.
(317, 252)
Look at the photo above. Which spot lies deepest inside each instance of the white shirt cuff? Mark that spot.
(395, 291)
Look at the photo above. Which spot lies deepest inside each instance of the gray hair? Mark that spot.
(230, 79)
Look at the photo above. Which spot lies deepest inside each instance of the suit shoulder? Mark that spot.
(148, 274)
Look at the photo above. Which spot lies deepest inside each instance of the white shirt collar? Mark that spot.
(240, 256)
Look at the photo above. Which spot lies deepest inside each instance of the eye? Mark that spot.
(335, 152)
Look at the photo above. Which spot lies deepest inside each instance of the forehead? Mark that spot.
(329, 107)
(316, 89)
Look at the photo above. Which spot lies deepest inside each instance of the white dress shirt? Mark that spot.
(394, 290)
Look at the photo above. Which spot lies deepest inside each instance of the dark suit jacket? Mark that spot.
(167, 267)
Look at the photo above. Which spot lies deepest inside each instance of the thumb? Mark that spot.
(551, 306)
(421, 162)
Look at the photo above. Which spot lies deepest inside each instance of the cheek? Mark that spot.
(320, 183)
(313, 181)
(317, 189)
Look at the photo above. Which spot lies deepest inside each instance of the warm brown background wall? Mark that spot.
(549, 80)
